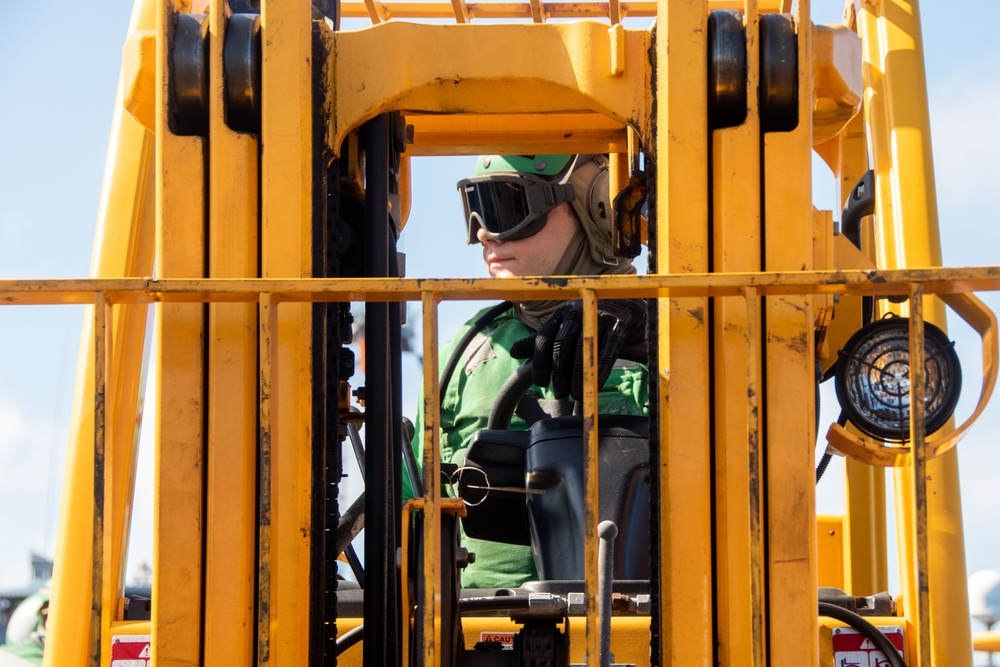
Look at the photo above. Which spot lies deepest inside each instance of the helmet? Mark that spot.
(510, 196)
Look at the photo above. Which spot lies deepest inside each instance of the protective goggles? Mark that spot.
(509, 206)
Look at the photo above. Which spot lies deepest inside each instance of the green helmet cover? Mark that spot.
(540, 165)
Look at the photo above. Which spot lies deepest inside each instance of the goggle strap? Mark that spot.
(557, 193)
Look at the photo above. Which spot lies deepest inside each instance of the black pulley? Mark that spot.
(779, 78)
(241, 61)
(727, 69)
(873, 379)
(189, 75)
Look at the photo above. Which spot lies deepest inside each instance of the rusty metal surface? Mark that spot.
(591, 513)
(98, 612)
(509, 10)
(268, 353)
(322, 290)
(918, 433)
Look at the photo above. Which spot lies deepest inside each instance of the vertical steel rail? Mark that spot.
(909, 237)
(787, 407)
(179, 469)
(98, 612)
(125, 227)
(591, 480)
(736, 231)
(753, 366)
(112, 577)
(288, 199)
(918, 445)
(683, 600)
(428, 609)
(268, 317)
(381, 516)
(231, 383)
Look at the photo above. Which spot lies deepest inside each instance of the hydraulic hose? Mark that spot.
(861, 625)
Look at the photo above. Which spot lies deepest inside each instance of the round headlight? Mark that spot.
(873, 378)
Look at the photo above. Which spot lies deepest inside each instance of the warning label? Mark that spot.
(505, 639)
(853, 649)
(130, 651)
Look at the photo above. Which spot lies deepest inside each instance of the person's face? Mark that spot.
(536, 255)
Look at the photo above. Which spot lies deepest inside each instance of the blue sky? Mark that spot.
(58, 71)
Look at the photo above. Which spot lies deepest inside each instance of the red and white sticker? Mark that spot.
(853, 649)
(505, 639)
(130, 651)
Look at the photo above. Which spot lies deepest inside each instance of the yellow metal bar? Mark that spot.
(537, 14)
(376, 12)
(430, 617)
(615, 12)
(178, 499)
(681, 150)
(528, 134)
(736, 206)
(864, 529)
(755, 536)
(99, 613)
(231, 468)
(986, 641)
(591, 513)
(514, 10)
(918, 423)
(410, 506)
(946, 283)
(286, 246)
(755, 469)
(493, 69)
(123, 246)
(111, 576)
(268, 316)
(908, 236)
(789, 413)
(461, 10)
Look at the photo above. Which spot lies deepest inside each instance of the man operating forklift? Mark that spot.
(535, 215)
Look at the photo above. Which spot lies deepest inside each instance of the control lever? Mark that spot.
(606, 533)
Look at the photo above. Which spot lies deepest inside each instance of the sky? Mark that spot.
(58, 71)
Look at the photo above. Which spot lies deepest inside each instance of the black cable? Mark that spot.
(463, 343)
(881, 642)
(356, 567)
(412, 470)
(824, 461)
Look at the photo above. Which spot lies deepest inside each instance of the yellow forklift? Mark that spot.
(258, 185)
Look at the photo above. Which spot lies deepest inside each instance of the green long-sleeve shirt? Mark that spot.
(465, 409)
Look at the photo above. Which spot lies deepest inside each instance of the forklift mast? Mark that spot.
(258, 185)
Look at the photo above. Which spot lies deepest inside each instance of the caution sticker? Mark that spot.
(505, 639)
(130, 651)
(853, 649)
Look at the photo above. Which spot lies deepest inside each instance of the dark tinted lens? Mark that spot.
(500, 205)
(471, 203)
(508, 206)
